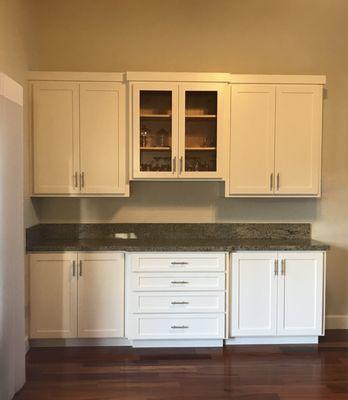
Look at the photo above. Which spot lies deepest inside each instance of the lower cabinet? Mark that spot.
(277, 294)
(76, 295)
(176, 296)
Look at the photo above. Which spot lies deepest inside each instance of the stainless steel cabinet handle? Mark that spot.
(73, 268)
(179, 302)
(80, 272)
(82, 177)
(181, 164)
(271, 182)
(174, 165)
(283, 267)
(179, 263)
(276, 267)
(179, 327)
(76, 183)
(179, 282)
(278, 181)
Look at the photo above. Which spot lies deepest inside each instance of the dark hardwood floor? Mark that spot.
(298, 372)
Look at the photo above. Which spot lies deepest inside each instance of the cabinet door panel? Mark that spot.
(55, 137)
(53, 294)
(252, 139)
(300, 293)
(201, 130)
(298, 139)
(102, 137)
(101, 295)
(155, 130)
(254, 294)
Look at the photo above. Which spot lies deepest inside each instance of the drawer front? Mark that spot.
(177, 326)
(162, 302)
(178, 282)
(166, 262)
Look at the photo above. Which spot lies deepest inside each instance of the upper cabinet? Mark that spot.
(178, 130)
(79, 138)
(275, 142)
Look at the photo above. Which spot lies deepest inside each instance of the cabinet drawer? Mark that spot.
(192, 302)
(166, 262)
(177, 326)
(178, 281)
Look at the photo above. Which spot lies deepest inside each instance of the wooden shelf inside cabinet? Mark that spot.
(154, 148)
(201, 116)
(200, 148)
(155, 116)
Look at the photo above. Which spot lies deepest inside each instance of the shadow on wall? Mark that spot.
(175, 202)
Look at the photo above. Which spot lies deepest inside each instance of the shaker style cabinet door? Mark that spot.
(251, 165)
(298, 139)
(100, 295)
(53, 295)
(254, 294)
(102, 138)
(201, 130)
(300, 293)
(55, 137)
(155, 130)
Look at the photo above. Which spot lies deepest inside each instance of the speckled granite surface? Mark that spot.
(171, 237)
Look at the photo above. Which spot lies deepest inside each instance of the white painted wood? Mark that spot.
(220, 128)
(254, 294)
(102, 138)
(53, 295)
(271, 340)
(101, 295)
(300, 293)
(279, 79)
(177, 262)
(298, 139)
(187, 302)
(176, 281)
(76, 76)
(177, 343)
(10, 89)
(55, 137)
(177, 326)
(154, 86)
(252, 139)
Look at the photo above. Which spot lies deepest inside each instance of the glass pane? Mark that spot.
(200, 131)
(155, 130)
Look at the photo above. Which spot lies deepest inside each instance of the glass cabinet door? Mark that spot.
(200, 133)
(155, 119)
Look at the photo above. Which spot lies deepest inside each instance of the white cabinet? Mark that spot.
(100, 295)
(76, 295)
(55, 137)
(275, 140)
(53, 295)
(254, 294)
(79, 138)
(178, 130)
(277, 294)
(176, 296)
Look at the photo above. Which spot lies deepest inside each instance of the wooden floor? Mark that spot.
(298, 372)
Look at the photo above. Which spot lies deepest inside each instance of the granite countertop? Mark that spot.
(182, 237)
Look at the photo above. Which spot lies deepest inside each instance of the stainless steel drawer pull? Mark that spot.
(283, 267)
(179, 282)
(174, 165)
(179, 327)
(76, 183)
(179, 263)
(73, 268)
(179, 302)
(80, 273)
(278, 181)
(271, 182)
(276, 267)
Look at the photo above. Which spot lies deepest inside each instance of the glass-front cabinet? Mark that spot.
(177, 130)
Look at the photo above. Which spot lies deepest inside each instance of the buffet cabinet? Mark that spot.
(76, 295)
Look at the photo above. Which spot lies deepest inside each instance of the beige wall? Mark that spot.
(15, 29)
(239, 36)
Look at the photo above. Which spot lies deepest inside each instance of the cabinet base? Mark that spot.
(178, 343)
(273, 340)
(79, 342)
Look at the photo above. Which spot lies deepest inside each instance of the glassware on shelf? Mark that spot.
(143, 136)
(162, 135)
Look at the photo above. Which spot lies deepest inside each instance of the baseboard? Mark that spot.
(336, 322)
(79, 342)
(272, 340)
(177, 343)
